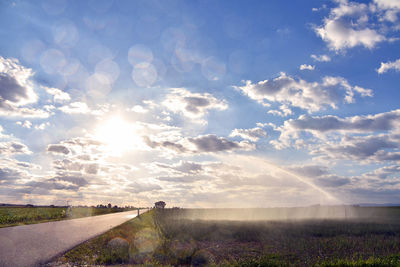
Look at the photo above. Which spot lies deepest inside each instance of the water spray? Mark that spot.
(304, 180)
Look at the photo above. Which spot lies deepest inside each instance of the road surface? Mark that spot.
(35, 244)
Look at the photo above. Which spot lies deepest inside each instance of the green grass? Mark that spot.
(140, 233)
(12, 216)
(278, 260)
(170, 238)
(79, 212)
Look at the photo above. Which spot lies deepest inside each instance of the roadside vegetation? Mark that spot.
(20, 215)
(132, 242)
(171, 237)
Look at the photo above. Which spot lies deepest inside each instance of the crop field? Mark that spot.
(15, 215)
(179, 238)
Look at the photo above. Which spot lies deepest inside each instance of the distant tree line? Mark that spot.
(102, 206)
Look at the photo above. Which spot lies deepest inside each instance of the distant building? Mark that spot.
(160, 205)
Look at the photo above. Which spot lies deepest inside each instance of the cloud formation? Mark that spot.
(361, 124)
(76, 108)
(213, 143)
(185, 167)
(58, 95)
(136, 187)
(357, 148)
(10, 148)
(201, 144)
(253, 134)
(192, 105)
(352, 24)
(16, 90)
(26, 124)
(321, 58)
(283, 112)
(76, 154)
(347, 26)
(58, 149)
(74, 180)
(16, 87)
(9, 174)
(391, 65)
(311, 96)
(306, 67)
(383, 172)
(362, 138)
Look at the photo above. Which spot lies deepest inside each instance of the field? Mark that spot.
(367, 237)
(19, 215)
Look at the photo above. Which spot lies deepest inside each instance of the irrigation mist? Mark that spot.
(316, 212)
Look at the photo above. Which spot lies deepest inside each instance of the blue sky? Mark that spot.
(200, 103)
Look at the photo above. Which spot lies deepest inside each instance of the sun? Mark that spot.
(117, 135)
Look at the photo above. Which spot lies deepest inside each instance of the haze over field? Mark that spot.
(200, 103)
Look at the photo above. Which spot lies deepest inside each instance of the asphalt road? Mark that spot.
(35, 244)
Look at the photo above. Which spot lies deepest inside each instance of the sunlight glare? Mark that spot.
(118, 135)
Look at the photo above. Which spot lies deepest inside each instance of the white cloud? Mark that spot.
(383, 172)
(10, 148)
(78, 145)
(196, 145)
(77, 165)
(359, 124)
(306, 67)
(13, 163)
(348, 26)
(84, 157)
(276, 113)
(192, 105)
(386, 4)
(25, 124)
(212, 143)
(340, 35)
(22, 112)
(361, 138)
(136, 187)
(395, 65)
(2, 135)
(316, 9)
(75, 108)
(311, 96)
(16, 87)
(283, 112)
(182, 167)
(357, 148)
(42, 126)
(58, 95)
(391, 15)
(253, 134)
(16, 90)
(321, 58)
(138, 109)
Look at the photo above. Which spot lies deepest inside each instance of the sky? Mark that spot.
(200, 103)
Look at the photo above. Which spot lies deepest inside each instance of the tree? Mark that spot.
(160, 204)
